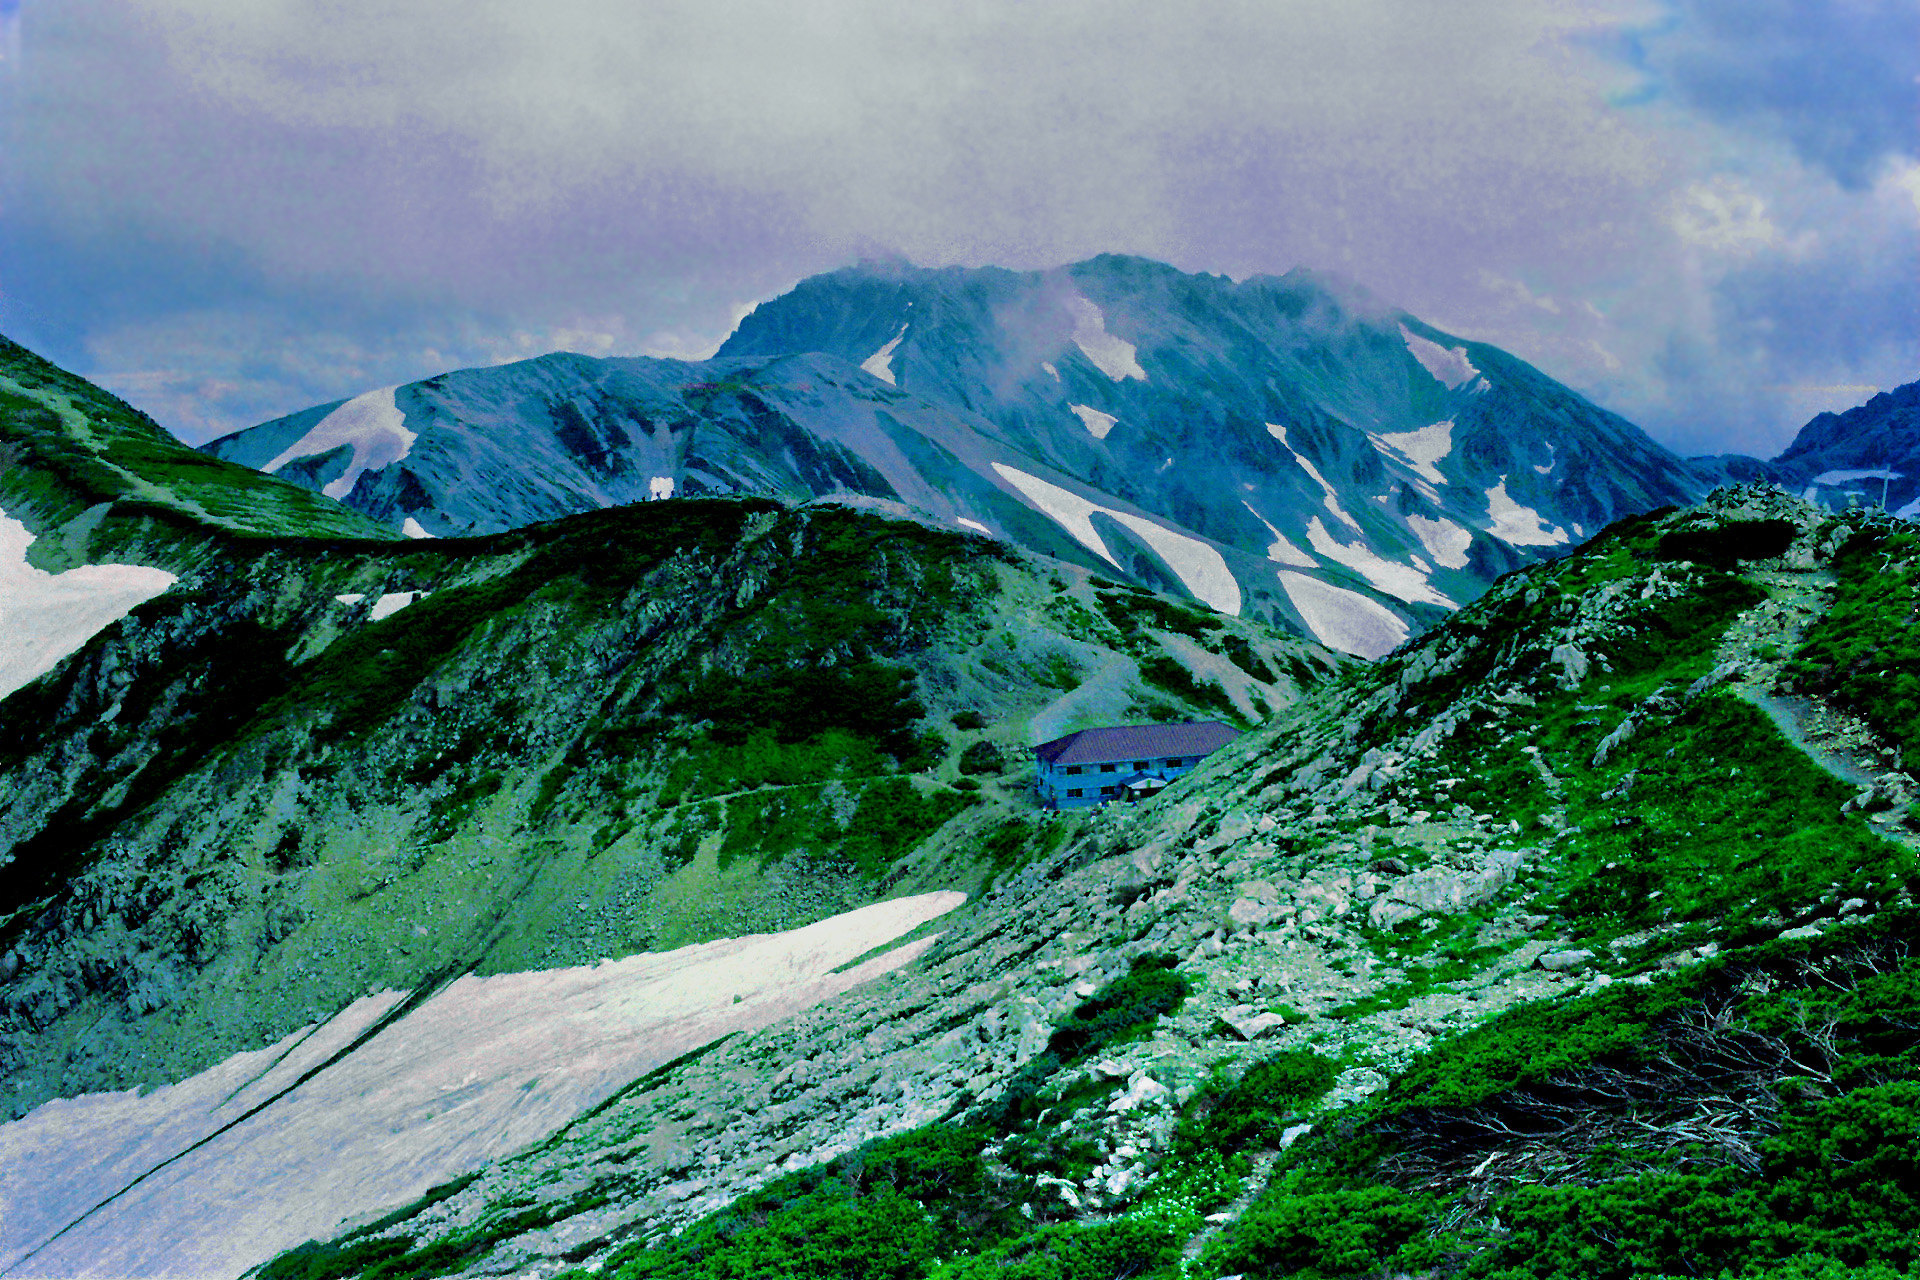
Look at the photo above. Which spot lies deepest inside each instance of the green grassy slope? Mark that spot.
(75, 453)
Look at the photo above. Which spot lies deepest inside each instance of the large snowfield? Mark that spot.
(1201, 568)
(372, 424)
(215, 1174)
(46, 616)
(1343, 619)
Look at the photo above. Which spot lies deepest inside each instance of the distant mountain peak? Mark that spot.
(1286, 447)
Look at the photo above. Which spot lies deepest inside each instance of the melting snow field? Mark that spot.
(1421, 449)
(880, 363)
(1517, 525)
(1404, 581)
(371, 423)
(1448, 365)
(975, 525)
(1812, 493)
(1095, 421)
(1343, 619)
(413, 528)
(1113, 356)
(386, 606)
(1444, 540)
(46, 616)
(1332, 499)
(1063, 506)
(480, 1069)
(1200, 566)
(1280, 550)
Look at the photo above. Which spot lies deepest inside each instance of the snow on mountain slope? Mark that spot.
(1343, 619)
(46, 616)
(1449, 365)
(369, 425)
(880, 363)
(1115, 357)
(216, 1174)
(1153, 392)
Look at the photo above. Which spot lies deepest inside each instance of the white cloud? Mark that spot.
(614, 177)
(1723, 215)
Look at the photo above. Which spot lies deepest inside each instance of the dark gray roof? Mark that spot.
(1137, 742)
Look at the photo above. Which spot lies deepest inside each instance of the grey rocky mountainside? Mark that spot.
(1285, 449)
(1868, 456)
(1519, 890)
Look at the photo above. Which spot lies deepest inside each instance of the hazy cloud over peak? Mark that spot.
(228, 209)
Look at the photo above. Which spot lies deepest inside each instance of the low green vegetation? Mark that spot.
(1865, 651)
(1754, 1116)
(81, 446)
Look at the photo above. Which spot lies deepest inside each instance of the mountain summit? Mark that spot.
(1284, 448)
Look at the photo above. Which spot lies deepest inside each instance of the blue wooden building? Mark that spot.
(1127, 762)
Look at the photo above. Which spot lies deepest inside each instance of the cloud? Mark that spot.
(1834, 79)
(243, 207)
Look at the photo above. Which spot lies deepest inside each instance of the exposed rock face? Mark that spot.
(1868, 456)
(1284, 449)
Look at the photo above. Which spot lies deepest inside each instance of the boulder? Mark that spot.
(1252, 913)
(1573, 665)
(1568, 961)
(1250, 1023)
(1613, 741)
(1444, 890)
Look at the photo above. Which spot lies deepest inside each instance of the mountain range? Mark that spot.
(1288, 449)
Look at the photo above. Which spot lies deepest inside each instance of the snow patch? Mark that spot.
(387, 605)
(1444, 540)
(1449, 366)
(1553, 460)
(1200, 566)
(1420, 449)
(393, 602)
(371, 423)
(1844, 477)
(880, 363)
(46, 616)
(483, 1068)
(1051, 371)
(413, 528)
(1517, 525)
(1910, 511)
(1343, 619)
(1112, 356)
(1067, 509)
(975, 524)
(660, 487)
(1095, 421)
(1399, 580)
(1332, 499)
(1281, 551)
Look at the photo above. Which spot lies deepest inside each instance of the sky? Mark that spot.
(1704, 214)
